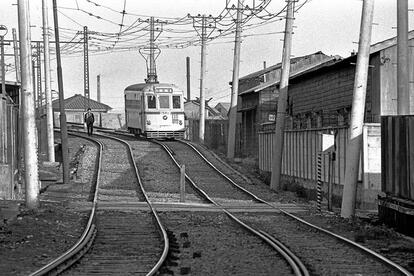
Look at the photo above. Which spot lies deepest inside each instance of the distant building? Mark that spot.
(76, 106)
(192, 111)
(223, 108)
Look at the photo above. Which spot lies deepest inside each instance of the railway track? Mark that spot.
(261, 242)
(323, 252)
(115, 242)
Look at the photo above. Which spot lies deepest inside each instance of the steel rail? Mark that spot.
(83, 244)
(161, 227)
(364, 249)
(297, 266)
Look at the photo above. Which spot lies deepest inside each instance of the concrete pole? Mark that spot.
(31, 174)
(16, 55)
(231, 139)
(98, 88)
(188, 79)
(48, 90)
(202, 75)
(403, 99)
(63, 127)
(278, 141)
(357, 113)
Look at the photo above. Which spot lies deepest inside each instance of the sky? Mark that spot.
(330, 26)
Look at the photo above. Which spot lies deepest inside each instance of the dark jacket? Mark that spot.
(89, 118)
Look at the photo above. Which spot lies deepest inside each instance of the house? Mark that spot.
(192, 111)
(223, 108)
(76, 106)
(258, 97)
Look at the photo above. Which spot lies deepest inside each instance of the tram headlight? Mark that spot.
(180, 122)
(165, 117)
(148, 122)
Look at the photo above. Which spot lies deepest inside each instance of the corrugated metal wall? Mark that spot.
(300, 153)
(8, 146)
(398, 157)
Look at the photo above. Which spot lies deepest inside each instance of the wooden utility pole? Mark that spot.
(231, 139)
(98, 88)
(358, 110)
(203, 22)
(202, 73)
(282, 100)
(403, 92)
(188, 79)
(63, 127)
(31, 173)
(16, 55)
(48, 90)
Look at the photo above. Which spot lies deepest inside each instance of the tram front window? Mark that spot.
(176, 102)
(164, 101)
(151, 102)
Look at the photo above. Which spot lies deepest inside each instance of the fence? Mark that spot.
(300, 153)
(8, 147)
(215, 134)
(398, 156)
(302, 147)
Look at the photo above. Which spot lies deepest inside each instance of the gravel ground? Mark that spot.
(32, 239)
(160, 176)
(366, 230)
(211, 244)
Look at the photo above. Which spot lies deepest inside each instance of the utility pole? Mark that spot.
(203, 22)
(34, 85)
(48, 90)
(16, 56)
(86, 67)
(231, 139)
(278, 141)
(39, 80)
(63, 127)
(98, 88)
(202, 73)
(403, 98)
(188, 79)
(3, 32)
(358, 110)
(31, 173)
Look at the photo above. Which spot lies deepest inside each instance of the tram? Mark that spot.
(155, 110)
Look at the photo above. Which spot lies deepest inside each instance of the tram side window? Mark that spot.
(151, 102)
(177, 102)
(164, 101)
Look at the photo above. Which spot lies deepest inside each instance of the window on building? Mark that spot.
(151, 102)
(164, 101)
(176, 102)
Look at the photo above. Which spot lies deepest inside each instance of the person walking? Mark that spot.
(89, 120)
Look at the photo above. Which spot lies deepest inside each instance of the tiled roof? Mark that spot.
(225, 105)
(77, 102)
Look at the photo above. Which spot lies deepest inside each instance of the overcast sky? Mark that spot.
(330, 26)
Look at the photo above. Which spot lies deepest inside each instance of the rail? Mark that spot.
(85, 241)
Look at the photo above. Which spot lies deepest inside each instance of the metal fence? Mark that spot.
(8, 147)
(301, 150)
